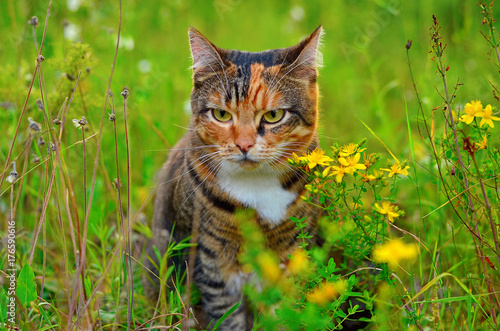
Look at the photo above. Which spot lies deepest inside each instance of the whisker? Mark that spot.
(182, 149)
(201, 158)
(194, 190)
(184, 127)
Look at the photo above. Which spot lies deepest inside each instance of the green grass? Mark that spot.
(365, 79)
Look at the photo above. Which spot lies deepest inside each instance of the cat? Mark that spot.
(250, 112)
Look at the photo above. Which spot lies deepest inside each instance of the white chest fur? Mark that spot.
(260, 191)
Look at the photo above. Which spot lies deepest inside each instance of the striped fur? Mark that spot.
(220, 167)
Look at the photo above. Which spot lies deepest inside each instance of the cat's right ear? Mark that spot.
(205, 54)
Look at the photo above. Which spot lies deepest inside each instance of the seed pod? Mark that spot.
(34, 126)
(33, 21)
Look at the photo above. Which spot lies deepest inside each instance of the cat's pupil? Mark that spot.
(273, 114)
(222, 113)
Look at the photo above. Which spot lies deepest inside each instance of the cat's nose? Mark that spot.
(244, 145)
(245, 138)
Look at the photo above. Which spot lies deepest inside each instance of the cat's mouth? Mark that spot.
(245, 161)
(248, 164)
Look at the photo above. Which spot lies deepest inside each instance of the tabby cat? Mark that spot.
(250, 112)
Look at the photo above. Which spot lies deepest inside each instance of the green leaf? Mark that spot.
(341, 314)
(88, 284)
(353, 310)
(331, 266)
(49, 327)
(4, 299)
(229, 312)
(26, 287)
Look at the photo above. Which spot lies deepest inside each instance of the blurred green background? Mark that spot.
(365, 75)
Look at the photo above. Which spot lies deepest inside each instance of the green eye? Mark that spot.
(222, 115)
(274, 116)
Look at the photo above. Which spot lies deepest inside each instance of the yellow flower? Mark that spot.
(316, 157)
(379, 174)
(486, 117)
(394, 251)
(269, 266)
(326, 292)
(339, 173)
(326, 172)
(396, 169)
(350, 149)
(370, 159)
(386, 209)
(484, 143)
(299, 262)
(294, 159)
(471, 109)
(367, 178)
(351, 163)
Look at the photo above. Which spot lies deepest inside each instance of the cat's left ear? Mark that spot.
(306, 54)
(205, 54)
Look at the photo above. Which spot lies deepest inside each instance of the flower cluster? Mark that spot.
(386, 208)
(269, 266)
(394, 251)
(299, 263)
(397, 168)
(346, 161)
(316, 157)
(475, 109)
(326, 292)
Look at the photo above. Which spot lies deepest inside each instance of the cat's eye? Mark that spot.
(222, 115)
(274, 116)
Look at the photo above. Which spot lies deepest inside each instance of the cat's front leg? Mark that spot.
(219, 294)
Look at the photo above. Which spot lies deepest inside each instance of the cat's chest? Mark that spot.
(263, 193)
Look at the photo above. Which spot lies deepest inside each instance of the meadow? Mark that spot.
(94, 94)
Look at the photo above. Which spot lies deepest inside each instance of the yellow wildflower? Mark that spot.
(326, 292)
(486, 117)
(299, 262)
(350, 149)
(269, 266)
(386, 209)
(379, 174)
(294, 159)
(367, 178)
(339, 173)
(351, 163)
(370, 159)
(394, 251)
(484, 143)
(471, 109)
(396, 169)
(326, 172)
(316, 157)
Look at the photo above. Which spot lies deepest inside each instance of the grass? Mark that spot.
(82, 197)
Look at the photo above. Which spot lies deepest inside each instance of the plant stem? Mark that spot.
(488, 208)
(129, 226)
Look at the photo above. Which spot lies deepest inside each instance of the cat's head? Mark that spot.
(254, 109)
